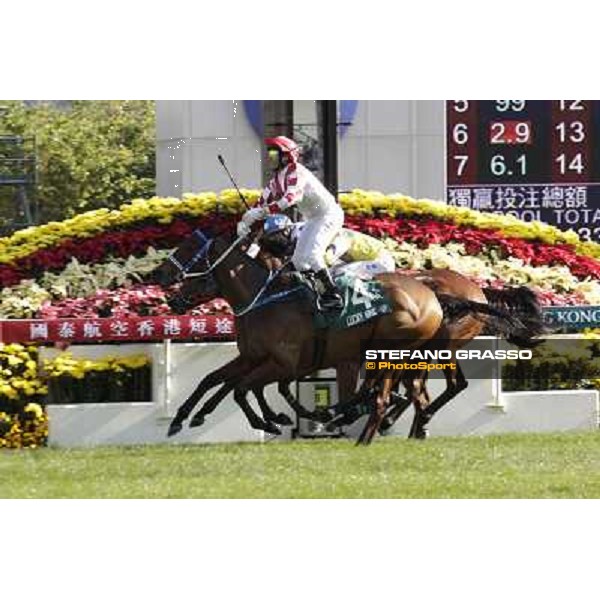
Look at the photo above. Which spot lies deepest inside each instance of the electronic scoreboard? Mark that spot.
(535, 159)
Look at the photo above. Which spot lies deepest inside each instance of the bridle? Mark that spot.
(210, 267)
(201, 253)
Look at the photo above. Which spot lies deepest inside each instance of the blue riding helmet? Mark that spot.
(276, 223)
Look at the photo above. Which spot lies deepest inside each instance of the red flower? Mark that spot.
(139, 300)
(478, 241)
(419, 231)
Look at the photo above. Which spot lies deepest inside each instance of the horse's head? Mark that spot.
(212, 271)
(190, 253)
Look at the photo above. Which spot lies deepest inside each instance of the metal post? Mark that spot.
(497, 402)
(330, 157)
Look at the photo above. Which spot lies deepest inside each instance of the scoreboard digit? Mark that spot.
(535, 159)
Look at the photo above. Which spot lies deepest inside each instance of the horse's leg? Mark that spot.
(267, 372)
(211, 404)
(268, 413)
(232, 368)
(381, 404)
(347, 378)
(420, 398)
(283, 387)
(350, 405)
(398, 404)
(456, 382)
(398, 407)
(353, 409)
(255, 421)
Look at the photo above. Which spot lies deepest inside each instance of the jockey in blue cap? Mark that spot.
(294, 185)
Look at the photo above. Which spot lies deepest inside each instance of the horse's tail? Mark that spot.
(499, 318)
(525, 308)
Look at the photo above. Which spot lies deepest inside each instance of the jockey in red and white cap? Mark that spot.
(294, 185)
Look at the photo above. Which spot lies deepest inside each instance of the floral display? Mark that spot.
(421, 234)
(162, 222)
(27, 429)
(26, 388)
(490, 268)
(66, 364)
(139, 300)
(93, 265)
(164, 211)
(19, 382)
(112, 379)
(23, 421)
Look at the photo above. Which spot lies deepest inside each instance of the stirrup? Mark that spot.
(336, 304)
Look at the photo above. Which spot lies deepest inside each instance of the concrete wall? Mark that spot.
(176, 371)
(395, 146)
(178, 368)
(392, 146)
(190, 134)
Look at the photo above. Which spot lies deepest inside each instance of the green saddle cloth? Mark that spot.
(363, 300)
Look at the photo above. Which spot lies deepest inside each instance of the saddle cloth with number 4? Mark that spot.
(364, 299)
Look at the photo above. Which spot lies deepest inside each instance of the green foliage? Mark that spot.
(91, 154)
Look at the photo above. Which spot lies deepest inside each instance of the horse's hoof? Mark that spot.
(322, 415)
(197, 420)
(385, 426)
(283, 419)
(333, 425)
(362, 442)
(174, 428)
(268, 428)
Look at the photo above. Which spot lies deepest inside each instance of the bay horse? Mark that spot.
(277, 340)
(454, 333)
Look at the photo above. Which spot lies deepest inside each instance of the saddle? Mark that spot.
(363, 296)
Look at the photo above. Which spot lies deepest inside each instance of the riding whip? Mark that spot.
(222, 161)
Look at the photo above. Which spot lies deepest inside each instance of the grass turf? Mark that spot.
(507, 466)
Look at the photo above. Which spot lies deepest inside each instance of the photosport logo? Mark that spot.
(553, 362)
(379, 356)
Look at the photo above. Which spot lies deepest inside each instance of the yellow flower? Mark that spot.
(36, 409)
(164, 210)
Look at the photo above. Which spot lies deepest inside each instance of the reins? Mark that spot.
(216, 263)
(255, 302)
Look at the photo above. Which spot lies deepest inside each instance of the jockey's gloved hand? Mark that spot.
(256, 213)
(251, 216)
(243, 229)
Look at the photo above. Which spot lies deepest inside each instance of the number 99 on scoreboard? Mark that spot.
(535, 159)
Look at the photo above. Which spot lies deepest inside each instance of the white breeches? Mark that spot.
(315, 237)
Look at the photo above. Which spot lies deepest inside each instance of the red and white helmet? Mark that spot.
(285, 146)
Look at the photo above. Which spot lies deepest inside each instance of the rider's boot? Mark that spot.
(330, 298)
